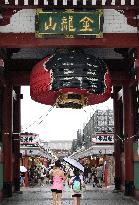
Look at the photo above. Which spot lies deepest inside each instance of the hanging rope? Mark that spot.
(36, 121)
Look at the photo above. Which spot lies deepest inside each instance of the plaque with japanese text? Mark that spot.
(103, 138)
(29, 140)
(69, 24)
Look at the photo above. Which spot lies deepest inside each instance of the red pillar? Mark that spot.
(136, 116)
(137, 63)
(2, 77)
(7, 117)
(128, 144)
(16, 138)
(117, 136)
(25, 163)
(137, 95)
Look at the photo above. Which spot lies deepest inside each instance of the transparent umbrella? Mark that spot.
(74, 163)
(23, 169)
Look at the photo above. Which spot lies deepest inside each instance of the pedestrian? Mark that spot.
(22, 179)
(57, 176)
(32, 176)
(94, 178)
(99, 174)
(87, 173)
(47, 176)
(43, 174)
(70, 173)
(76, 182)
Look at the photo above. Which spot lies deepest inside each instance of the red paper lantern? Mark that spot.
(40, 87)
(44, 80)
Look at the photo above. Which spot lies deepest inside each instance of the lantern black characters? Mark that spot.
(70, 78)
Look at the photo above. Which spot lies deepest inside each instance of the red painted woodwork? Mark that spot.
(16, 138)
(19, 78)
(129, 132)
(131, 16)
(137, 63)
(1, 155)
(28, 40)
(6, 15)
(117, 140)
(2, 69)
(7, 140)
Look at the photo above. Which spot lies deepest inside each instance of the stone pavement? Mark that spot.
(90, 196)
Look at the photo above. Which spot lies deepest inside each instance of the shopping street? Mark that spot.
(91, 196)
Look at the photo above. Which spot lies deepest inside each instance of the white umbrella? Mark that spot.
(74, 163)
(23, 169)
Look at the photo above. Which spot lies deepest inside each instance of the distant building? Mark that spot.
(30, 145)
(98, 130)
(88, 131)
(74, 145)
(60, 148)
(79, 138)
(103, 121)
(100, 127)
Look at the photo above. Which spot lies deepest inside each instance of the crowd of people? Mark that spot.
(94, 174)
(59, 174)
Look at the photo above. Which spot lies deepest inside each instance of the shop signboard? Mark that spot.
(29, 139)
(103, 139)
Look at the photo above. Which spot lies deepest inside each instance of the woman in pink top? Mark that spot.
(57, 177)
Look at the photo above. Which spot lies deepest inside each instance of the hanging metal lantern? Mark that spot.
(70, 78)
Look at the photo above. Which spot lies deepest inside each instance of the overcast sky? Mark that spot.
(55, 123)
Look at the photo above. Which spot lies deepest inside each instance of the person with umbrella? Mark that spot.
(23, 170)
(76, 182)
(57, 176)
(22, 179)
(74, 163)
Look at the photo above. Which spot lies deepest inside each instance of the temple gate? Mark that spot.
(20, 50)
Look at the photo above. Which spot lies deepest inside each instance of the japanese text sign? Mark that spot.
(28, 139)
(104, 138)
(69, 24)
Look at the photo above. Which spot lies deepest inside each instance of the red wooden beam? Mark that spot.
(18, 78)
(119, 78)
(21, 64)
(109, 40)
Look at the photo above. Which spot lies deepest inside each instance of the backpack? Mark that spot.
(76, 186)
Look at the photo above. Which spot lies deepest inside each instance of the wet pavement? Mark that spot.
(91, 196)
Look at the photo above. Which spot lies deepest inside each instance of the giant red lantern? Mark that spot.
(70, 78)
